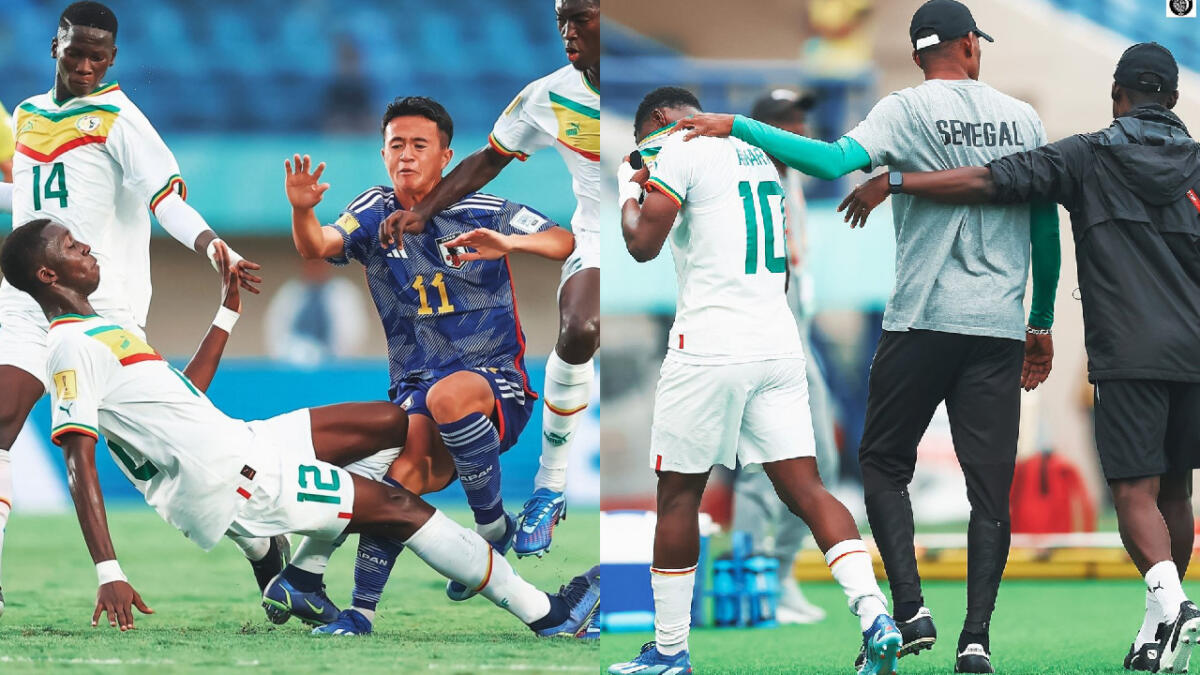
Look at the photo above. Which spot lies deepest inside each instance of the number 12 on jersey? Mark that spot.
(772, 225)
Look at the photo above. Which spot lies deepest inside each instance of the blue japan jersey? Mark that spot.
(441, 314)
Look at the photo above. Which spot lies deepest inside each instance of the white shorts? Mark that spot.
(586, 255)
(23, 340)
(292, 490)
(718, 414)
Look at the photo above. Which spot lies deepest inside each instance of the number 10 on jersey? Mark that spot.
(773, 222)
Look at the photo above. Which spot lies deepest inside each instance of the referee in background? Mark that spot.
(1131, 190)
(954, 329)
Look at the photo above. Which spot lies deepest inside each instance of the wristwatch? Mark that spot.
(895, 182)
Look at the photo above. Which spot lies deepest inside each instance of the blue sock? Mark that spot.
(475, 446)
(302, 580)
(376, 557)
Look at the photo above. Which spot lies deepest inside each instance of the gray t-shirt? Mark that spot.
(959, 269)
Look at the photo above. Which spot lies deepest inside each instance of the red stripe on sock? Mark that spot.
(835, 560)
(487, 577)
(672, 573)
(2, 499)
(563, 412)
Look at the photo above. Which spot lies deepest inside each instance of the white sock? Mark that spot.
(254, 548)
(1154, 616)
(312, 555)
(462, 555)
(494, 530)
(376, 466)
(672, 607)
(1162, 581)
(567, 392)
(369, 613)
(850, 564)
(6, 492)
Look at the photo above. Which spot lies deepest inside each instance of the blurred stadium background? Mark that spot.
(236, 87)
(1059, 56)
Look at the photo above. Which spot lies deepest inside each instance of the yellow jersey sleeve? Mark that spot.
(7, 147)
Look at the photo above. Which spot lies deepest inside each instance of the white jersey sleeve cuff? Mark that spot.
(180, 220)
(6, 190)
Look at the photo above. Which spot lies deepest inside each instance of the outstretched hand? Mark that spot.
(1039, 355)
(717, 125)
(230, 277)
(304, 189)
(488, 244)
(863, 199)
(117, 599)
(398, 224)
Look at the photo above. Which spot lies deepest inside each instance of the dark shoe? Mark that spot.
(916, 634)
(974, 658)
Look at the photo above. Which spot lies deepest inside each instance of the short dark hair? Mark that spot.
(1137, 97)
(88, 13)
(419, 106)
(23, 253)
(663, 97)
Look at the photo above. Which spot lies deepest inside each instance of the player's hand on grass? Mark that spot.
(304, 189)
(1039, 355)
(488, 244)
(705, 124)
(231, 298)
(863, 199)
(398, 224)
(117, 599)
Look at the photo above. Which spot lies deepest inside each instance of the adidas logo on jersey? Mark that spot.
(397, 253)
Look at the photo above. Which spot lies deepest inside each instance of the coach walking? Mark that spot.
(1131, 190)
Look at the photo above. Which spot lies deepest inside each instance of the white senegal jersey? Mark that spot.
(729, 248)
(173, 444)
(95, 164)
(561, 109)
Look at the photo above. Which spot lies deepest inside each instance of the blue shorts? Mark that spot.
(514, 403)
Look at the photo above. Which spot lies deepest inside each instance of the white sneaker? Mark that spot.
(794, 608)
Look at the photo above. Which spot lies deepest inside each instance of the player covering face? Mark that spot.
(733, 387)
(256, 479)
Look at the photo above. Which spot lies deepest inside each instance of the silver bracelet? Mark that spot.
(1030, 330)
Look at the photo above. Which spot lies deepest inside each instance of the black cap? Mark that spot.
(778, 102)
(1147, 66)
(947, 19)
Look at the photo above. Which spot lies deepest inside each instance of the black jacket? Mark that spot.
(1137, 238)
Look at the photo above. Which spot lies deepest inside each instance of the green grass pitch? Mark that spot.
(207, 616)
(1040, 627)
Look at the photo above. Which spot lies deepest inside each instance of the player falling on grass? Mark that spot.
(207, 473)
(563, 110)
(733, 384)
(89, 159)
(953, 329)
(455, 345)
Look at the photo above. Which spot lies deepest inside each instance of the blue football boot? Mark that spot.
(881, 645)
(349, 622)
(282, 601)
(582, 597)
(458, 592)
(653, 662)
(541, 513)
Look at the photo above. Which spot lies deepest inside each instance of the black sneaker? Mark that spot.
(916, 634)
(1179, 638)
(1145, 658)
(973, 658)
(278, 556)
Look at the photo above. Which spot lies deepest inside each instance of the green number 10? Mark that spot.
(771, 231)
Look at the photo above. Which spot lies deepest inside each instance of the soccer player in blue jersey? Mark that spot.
(455, 346)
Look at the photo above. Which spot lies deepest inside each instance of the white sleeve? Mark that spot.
(6, 197)
(884, 130)
(672, 173)
(150, 169)
(180, 220)
(521, 129)
(75, 396)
